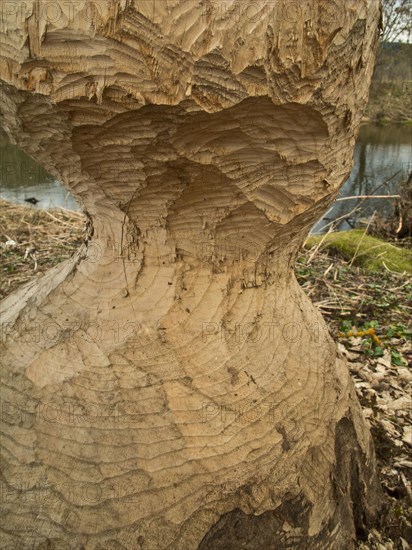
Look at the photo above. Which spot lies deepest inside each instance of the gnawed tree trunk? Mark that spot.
(171, 386)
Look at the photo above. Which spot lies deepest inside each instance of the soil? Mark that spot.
(368, 313)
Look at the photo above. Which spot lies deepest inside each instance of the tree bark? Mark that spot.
(171, 386)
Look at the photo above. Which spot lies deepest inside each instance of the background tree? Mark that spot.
(397, 20)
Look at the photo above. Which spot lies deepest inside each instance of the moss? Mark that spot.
(368, 252)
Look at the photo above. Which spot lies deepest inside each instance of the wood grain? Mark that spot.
(170, 386)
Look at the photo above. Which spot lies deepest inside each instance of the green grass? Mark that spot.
(367, 252)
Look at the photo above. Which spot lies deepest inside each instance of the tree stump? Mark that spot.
(171, 386)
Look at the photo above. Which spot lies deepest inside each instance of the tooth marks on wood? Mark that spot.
(192, 395)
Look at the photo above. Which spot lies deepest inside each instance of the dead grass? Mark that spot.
(369, 316)
(350, 293)
(33, 240)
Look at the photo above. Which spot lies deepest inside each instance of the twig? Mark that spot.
(334, 222)
(57, 219)
(400, 223)
(361, 239)
(368, 197)
(328, 269)
(406, 484)
(408, 281)
(313, 254)
(357, 207)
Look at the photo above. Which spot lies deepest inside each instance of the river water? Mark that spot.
(379, 154)
(22, 178)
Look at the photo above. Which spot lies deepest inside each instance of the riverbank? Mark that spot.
(368, 314)
(390, 95)
(390, 103)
